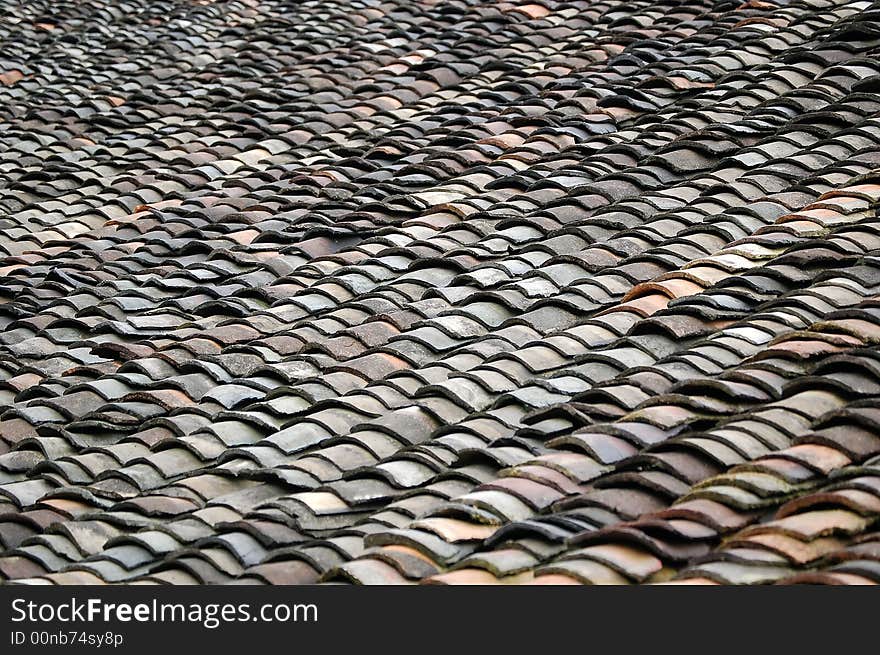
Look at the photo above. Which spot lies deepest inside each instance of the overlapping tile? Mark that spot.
(459, 293)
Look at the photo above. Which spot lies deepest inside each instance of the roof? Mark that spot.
(443, 292)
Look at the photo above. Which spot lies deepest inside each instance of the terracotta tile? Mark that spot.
(515, 293)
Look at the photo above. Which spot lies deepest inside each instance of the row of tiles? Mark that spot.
(217, 369)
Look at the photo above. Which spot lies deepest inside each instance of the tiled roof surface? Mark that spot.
(389, 291)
